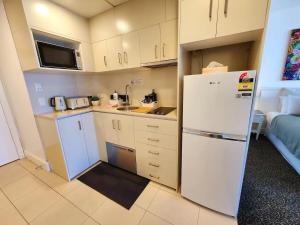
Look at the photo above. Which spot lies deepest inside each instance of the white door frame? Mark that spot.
(11, 123)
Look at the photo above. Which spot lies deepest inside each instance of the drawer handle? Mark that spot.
(154, 165)
(153, 126)
(153, 153)
(153, 140)
(156, 177)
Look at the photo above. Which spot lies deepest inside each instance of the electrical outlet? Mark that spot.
(137, 81)
(38, 87)
(42, 101)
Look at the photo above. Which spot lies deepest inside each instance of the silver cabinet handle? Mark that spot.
(105, 61)
(125, 58)
(120, 58)
(163, 50)
(119, 125)
(152, 176)
(153, 139)
(226, 8)
(113, 124)
(154, 165)
(210, 9)
(153, 153)
(79, 125)
(155, 51)
(152, 126)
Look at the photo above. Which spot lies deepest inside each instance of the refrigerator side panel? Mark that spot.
(212, 171)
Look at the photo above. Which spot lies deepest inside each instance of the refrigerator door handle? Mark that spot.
(216, 135)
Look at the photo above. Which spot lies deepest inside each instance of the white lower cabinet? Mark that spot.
(79, 143)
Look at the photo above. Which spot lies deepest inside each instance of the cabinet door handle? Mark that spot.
(153, 153)
(210, 9)
(113, 124)
(163, 50)
(155, 51)
(119, 125)
(105, 61)
(152, 126)
(156, 177)
(153, 139)
(125, 58)
(120, 58)
(79, 125)
(226, 8)
(154, 165)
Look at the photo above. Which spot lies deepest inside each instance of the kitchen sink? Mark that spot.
(127, 108)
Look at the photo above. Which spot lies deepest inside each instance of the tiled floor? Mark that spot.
(29, 195)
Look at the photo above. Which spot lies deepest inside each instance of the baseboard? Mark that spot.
(37, 160)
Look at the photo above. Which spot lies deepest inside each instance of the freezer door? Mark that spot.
(212, 172)
(212, 103)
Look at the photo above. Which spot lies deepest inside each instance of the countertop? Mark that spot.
(105, 109)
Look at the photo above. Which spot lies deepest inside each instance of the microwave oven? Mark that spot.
(55, 56)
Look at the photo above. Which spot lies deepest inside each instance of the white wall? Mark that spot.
(284, 16)
(16, 92)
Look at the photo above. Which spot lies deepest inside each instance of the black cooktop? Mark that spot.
(162, 110)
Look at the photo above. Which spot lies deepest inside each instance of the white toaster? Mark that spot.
(77, 102)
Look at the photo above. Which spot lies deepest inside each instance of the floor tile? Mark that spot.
(209, 217)
(150, 219)
(174, 209)
(110, 213)
(49, 178)
(8, 214)
(28, 165)
(21, 187)
(90, 222)
(10, 173)
(61, 213)
(37, 202)
(85, 198)
(147, 196)
(67, 187)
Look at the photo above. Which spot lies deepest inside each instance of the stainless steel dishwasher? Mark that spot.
(121, 157)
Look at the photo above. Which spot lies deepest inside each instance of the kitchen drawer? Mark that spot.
(162, 167)
(156, 125)
(156, 139)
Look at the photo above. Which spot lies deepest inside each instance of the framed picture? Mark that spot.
(292, 65)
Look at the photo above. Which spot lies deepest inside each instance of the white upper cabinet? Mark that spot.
(169, 34)
(115, 51)
(131, 50)
(101, 58)
(171, 9)
(150, 44)
(237, 16)
(198, 20)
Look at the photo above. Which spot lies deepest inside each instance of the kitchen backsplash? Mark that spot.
(43, 86)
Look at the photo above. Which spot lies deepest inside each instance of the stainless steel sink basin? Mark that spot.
(127, 108)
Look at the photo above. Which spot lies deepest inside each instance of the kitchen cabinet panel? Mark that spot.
(73, 145)
(88, 126)
(110, 128)
(131, 50)
(198, 20)
(150, 44)
(101, 58)
(100, 133)
(169, 42)
(237, 16)
(125, 128)
(171, 9)
(115, 51)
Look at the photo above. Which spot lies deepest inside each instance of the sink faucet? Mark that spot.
(126, 94)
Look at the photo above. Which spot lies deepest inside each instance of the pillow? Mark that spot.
(284, 103)
(293, 105)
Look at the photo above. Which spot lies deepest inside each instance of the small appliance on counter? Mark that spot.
(58, 103)
(150, 100)
(77, 102)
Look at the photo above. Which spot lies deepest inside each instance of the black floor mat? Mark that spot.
(119, 185)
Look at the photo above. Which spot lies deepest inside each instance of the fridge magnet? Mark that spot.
(292, 65)
(246, 83)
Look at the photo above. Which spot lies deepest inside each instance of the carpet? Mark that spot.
(271, 189)
(117, 184)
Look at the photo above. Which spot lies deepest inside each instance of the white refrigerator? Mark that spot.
(217, 112)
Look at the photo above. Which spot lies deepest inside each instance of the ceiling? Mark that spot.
(88, 8)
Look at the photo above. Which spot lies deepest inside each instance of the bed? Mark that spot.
(283, 127)
(281, 131)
